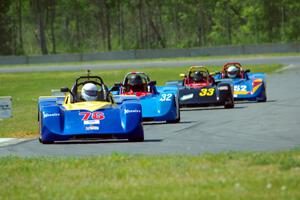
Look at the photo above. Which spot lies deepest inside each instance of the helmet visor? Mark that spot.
(91, 92)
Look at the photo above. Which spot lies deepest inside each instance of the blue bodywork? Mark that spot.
(158, 106)
(71, 117)
(252, 87)
(121, 121)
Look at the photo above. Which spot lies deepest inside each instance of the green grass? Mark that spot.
(118, 176)
(86, 63)
(25, 88)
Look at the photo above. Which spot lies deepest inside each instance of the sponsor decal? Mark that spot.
(131, 111)
(92, 115)
(92, 128)
(91, 122)
(223, 87)
(46, 115)
(186, 97)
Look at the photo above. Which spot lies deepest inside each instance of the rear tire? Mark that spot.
(229, 103)
(262, 97)
(177, 120)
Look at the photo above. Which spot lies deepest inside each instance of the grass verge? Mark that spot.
(25, 88)
(119, 176)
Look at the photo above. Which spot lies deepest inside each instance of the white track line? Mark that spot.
(10, 141)
(291, 66)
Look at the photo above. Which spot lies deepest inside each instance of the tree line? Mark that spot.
(29, 27)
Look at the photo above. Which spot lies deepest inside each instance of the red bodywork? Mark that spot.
(206, 81)
(240, 74)
(145, 89)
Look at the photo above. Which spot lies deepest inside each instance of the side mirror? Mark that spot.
(116, 86)
(151, 83)
(182, 75)
(65, 89)
(247, 70)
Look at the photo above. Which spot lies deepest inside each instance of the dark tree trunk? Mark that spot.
(108, 27)
(38, 12)
(158, 35)
(228, 22)
(53, 4)
(141, 34)
(20, 19)
(120, 25)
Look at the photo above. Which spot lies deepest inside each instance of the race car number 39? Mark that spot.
(207, 92)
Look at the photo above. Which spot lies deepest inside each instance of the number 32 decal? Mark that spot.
(240, 88)
(165, 97)
(207, 92)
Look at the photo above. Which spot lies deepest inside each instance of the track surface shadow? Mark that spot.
(101, 141)
(210, 108)
(164, 123)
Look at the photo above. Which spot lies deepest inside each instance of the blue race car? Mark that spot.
(156, 105)
(247, 86)
(70, 117)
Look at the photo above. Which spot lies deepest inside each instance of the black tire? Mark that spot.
(137, 137)
(45, 142)
(229, 103)
(177, 120)
(262, 97)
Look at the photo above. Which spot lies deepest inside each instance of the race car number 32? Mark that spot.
(207, 92)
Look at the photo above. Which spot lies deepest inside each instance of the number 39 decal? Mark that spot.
(165, 97)
(207, 92)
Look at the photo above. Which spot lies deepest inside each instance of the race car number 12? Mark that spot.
(207, 92)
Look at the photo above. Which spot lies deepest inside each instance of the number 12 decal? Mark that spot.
(165, 97)
(93, 115)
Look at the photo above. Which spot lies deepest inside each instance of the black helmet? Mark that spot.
(135, 79)
(198, 76)
(136, 83)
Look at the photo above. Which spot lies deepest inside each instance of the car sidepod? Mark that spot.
(252, 89)
(218, 94)
(160, 107)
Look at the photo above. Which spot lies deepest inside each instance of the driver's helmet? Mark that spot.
(232, 71)
(89, 92)
(136, 83)
(198, 76)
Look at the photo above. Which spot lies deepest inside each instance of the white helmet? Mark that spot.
(232, 71)
(89, 92)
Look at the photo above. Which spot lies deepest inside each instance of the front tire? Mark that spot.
(138, 136)
(262, 97)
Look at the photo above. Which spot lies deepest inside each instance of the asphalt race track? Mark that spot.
(286, 60)
(270, 126)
